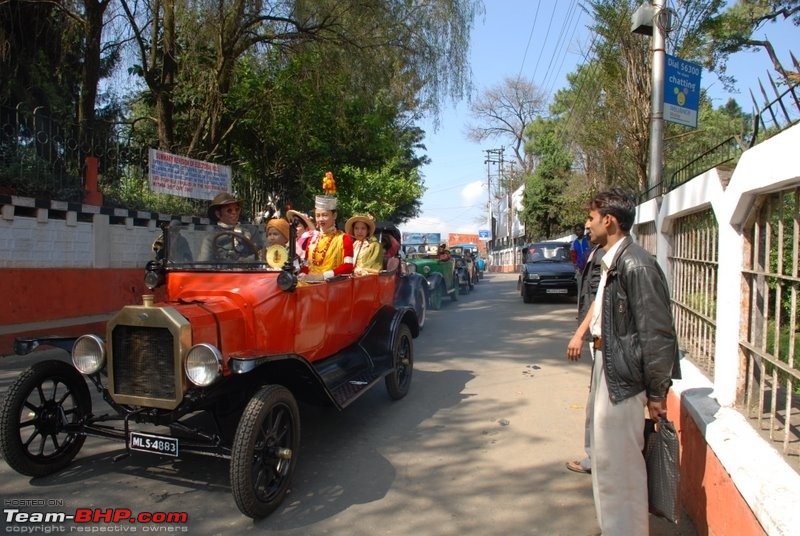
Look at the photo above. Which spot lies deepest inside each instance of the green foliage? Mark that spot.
(133, 192)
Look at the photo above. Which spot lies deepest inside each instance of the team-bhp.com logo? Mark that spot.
(86, 519)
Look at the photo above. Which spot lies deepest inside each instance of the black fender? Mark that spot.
(434, 280)
(340, 379)
(405, 294)
(26, 345)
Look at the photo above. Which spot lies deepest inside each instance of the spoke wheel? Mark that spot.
(264, 452)
(398, 381)
(37, 407)
(421, 306)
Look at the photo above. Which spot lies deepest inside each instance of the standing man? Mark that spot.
(580, 248)
(636, 358)
(587, 290)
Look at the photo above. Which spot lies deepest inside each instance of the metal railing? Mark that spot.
(770, 339)
(693, 264)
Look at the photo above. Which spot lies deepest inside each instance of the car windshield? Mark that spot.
(547, 253)
(213, 247)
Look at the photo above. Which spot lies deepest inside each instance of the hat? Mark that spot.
(327, 201)
(221, 200)
(348, 226)
(291, 214)
(280, 225)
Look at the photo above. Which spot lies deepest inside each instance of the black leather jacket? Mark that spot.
(640, 347)
(589, 281)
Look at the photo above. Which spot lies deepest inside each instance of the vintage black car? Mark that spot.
(547, 271)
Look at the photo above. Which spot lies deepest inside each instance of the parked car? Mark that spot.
(234, 338)
(440, 275)
(547, 270)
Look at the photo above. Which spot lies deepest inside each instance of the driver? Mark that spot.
(223, 244)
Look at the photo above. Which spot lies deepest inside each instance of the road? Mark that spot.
(477, 447)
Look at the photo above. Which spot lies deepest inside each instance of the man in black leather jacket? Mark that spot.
(636, 357)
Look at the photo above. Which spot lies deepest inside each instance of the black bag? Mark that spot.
(661, 455)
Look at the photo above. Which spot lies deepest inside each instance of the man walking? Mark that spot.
(636, 357)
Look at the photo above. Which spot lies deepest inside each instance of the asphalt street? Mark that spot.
(478, 446)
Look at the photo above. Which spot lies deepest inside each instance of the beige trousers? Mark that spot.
(619, 476)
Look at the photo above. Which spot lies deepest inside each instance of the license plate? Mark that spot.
(153, 443)
(556, 291)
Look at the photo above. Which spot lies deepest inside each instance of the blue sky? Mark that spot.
(539, 41)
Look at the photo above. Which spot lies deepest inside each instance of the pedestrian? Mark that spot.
(636, 358)
(580, 248)
(589, 279)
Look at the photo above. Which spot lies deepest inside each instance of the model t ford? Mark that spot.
(236, 339)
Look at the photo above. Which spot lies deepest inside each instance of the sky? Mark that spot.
(543, 41)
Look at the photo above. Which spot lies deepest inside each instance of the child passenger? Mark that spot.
(367, 251)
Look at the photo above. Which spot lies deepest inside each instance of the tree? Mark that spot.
(504, 112)
(544, 199)
(732, 31)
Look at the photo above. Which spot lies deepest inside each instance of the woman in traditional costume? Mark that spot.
(330, 251)
(367, 251)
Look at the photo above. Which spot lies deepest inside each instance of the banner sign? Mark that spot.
(681, 91)
(433, 239)
(186, 177)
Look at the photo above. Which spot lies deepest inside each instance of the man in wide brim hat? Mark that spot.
(292, 214)
(367, 220)
(220, 201)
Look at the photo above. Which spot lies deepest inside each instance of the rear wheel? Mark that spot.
(398, 381)
(45, 399)
(264, 452)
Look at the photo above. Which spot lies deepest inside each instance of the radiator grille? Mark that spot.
(143, 362)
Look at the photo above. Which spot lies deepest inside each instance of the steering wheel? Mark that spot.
(239, 246)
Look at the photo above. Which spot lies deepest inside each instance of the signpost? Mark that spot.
(681, 91)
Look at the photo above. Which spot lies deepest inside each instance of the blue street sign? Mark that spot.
(483, 234)
(681, 91)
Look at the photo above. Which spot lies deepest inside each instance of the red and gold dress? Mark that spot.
(329, 253)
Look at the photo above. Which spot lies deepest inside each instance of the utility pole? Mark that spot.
(493, 156)
(650, 19)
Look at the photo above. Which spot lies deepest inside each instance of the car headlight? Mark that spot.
(426, 270)
(203, 364)
(534, 277)
(411, 268)
(88, 354)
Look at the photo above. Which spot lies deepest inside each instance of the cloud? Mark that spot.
(474, 193)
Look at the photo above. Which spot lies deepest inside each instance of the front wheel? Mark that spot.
(264, 452)
(421, 306)
(436, 297)
(37, 410)
(398, 381)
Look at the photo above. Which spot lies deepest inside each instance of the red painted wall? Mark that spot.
(31, 295)
(710, 498)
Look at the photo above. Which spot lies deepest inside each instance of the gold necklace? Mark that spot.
(320, 250)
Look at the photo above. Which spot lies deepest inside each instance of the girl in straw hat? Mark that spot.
(304, 229)
(367, 250)
(330, 251)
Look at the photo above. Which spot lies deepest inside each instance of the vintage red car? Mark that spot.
(236, 339)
